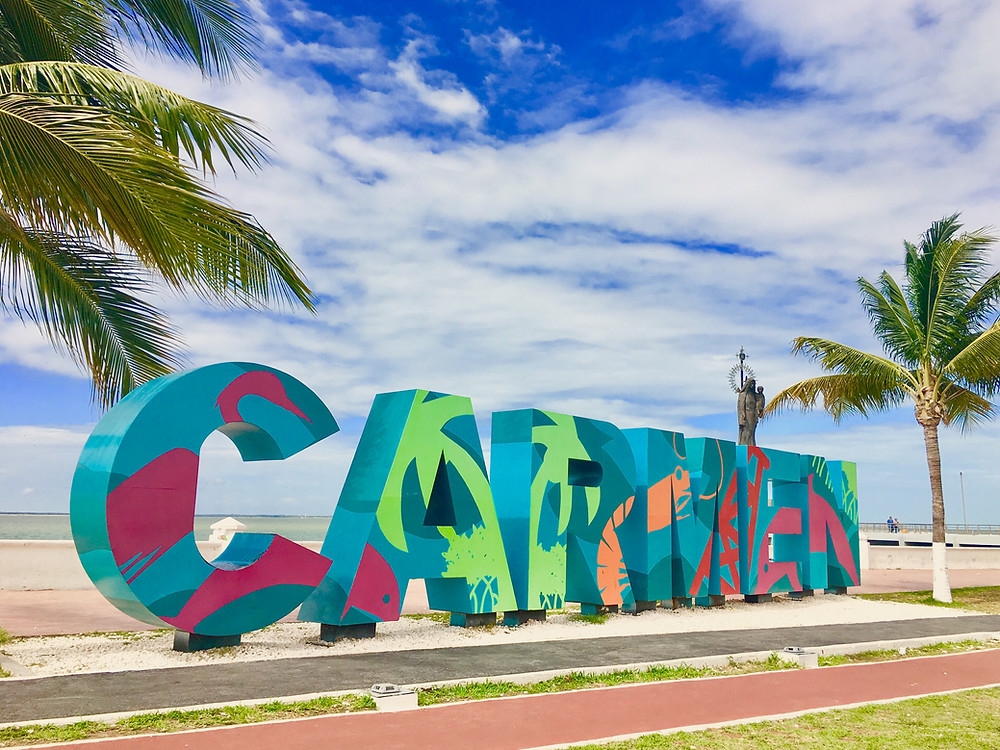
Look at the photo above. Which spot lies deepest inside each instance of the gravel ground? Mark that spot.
(116, 652)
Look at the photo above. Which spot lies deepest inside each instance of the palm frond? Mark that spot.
(842, 394)
(179, 124)
(245, 265)
(76, 171)
(88, 303)
(215, 35)
(920, 268)
(978, 361)
(863, 382)
(981, 310)
(95, 200)
(943, 274)
(835, 357)
(960, 271)
(57, 30)
(891, 319)
(965, 407)
(919, 265)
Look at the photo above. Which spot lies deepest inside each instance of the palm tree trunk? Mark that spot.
(942, 588)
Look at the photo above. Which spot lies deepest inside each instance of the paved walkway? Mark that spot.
(557, 719)
(144, 690)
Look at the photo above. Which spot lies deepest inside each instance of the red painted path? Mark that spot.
(589, 715)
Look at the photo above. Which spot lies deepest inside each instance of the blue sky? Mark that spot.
(584, 207)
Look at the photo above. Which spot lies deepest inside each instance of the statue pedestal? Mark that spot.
(711, 601)
(639, 607)
(518, 617)
(478, 620)
(187, 642)
(598, 609)
(333, 633)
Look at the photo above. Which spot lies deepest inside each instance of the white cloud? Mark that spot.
(909, 56)
(24, 343)
(350, 58)
(37, 467)
(437, 90)
(575, 270)
(513, 50)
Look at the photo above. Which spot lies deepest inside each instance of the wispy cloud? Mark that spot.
(610, 265)
(437, 90)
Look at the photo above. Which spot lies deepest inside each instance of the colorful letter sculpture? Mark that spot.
(576, 510)
(416, 504)
(773, 506)
(563, 485)
(133, 500)
(662, 493)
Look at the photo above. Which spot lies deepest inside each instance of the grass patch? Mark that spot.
(444, 617)
(43, 733)
(892, 654)
(468, 691)
(977, 598)
(962, 721)
(130, 636)
(177, 721)
(127, 635)
(5, 637)
(590, 619)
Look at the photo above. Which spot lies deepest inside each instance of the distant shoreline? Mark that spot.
(58, 526)
(196, 515)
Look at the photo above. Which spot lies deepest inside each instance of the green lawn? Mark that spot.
(978, 598)
(961, 721)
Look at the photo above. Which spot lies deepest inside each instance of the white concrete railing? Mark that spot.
(912, 551)
(951, 528)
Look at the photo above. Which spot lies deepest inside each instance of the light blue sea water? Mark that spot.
(41, 526)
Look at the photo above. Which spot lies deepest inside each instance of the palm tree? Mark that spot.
(941, 339)
(99, 193)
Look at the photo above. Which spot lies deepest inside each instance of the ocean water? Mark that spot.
(56, 526)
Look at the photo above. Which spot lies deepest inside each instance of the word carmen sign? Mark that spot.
(573, 510)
